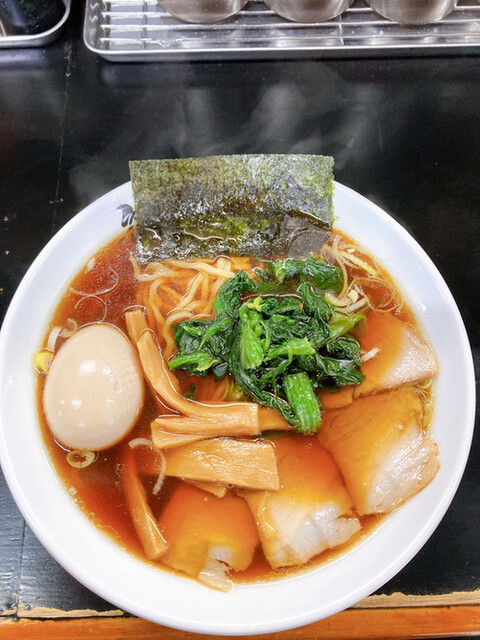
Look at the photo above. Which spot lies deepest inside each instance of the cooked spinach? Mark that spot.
(281, 348)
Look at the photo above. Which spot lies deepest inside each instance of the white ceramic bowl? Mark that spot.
(104, 567)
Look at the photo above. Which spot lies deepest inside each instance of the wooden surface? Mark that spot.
(352, 624)
(404, 132)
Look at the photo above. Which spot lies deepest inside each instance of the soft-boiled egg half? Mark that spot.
(94, 389)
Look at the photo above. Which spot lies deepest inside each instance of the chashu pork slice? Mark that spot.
(403, 356)
(399, 356)
(207, 536)
(310, 512)
(379, 444)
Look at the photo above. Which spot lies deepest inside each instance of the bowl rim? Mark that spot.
(103, 583)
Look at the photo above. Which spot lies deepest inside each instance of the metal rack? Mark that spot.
(130, 30)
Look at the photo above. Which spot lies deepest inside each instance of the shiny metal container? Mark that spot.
(11, 39)
(135, 30)
(202, 11)
(413, 11)
(308, 10)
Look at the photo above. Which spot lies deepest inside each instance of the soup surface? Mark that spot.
(200, 503)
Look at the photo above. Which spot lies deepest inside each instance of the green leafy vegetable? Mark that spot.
(322, 275)
(300, 394)
(251, 347)
(228, 301)
(280, 349)
(294, 347)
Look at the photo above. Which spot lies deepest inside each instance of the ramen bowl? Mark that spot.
(264, 606)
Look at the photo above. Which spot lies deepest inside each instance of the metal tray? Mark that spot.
(140, 30)
(39, 39)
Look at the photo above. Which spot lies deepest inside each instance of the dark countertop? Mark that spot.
(405, 132)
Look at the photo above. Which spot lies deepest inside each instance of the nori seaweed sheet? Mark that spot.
(246, 205)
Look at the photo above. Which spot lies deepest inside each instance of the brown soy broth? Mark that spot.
(110, 270)
(101, 292)
(93, 297)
